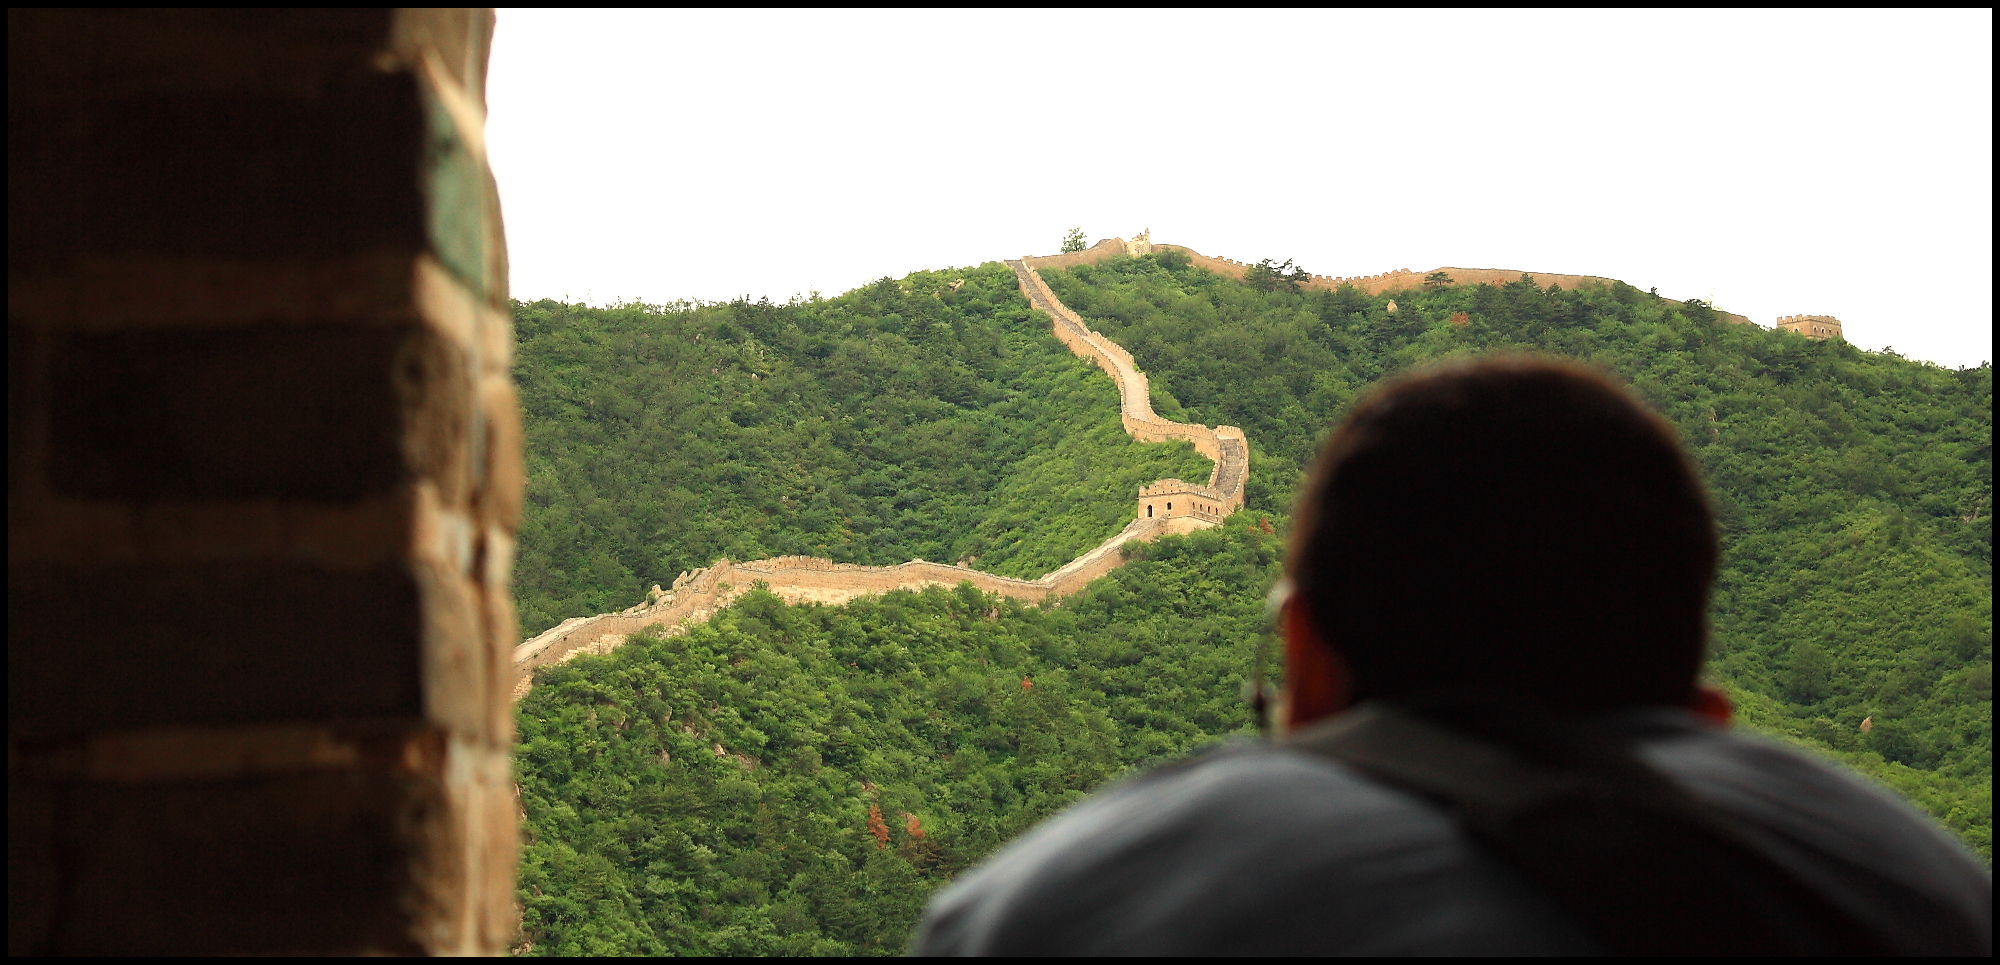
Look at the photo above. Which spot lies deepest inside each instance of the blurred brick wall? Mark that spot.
(263, 475)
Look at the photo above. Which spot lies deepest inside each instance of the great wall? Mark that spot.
(1398, 280)
(1169, 506)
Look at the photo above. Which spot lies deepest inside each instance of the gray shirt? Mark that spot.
(1260, 849)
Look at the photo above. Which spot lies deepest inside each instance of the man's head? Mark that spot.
(1517, 524)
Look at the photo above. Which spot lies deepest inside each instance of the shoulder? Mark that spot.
(1246, 849)
(1860, 844)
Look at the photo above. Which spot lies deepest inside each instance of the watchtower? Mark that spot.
(1811, 326)
(1173, 498)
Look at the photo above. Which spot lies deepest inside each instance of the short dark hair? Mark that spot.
(1514, 523)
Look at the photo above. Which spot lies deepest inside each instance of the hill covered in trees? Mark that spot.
(928, 418)
(798, 779)
(1854, 489)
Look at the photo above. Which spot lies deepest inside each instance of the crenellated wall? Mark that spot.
(1811, 326)
(698, 595)
(1388, 281)
(701, 594)
(1135, 394)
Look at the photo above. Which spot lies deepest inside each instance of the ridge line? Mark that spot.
(698, 595)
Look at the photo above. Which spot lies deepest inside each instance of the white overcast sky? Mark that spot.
(1784, 162)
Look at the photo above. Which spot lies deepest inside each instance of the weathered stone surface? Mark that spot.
(296, 863)
(1811, 326)
(256, 275)
(207, 644)
(301, 839)
(247, 174)
(307, 413)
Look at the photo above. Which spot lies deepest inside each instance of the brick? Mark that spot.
(349, 536)
(252, 529)
(503, 633)
(467, 864)
(455, 183)
(24, 403)
(33, 876)
(456, 667)
(457, 36)
(448, 306)
(212, 644)
(241, 175)
(496, 250)
(70, 55)
(121, 293)
(427, 798)
(441, 538)
(500, 922)
(208, 753)
(315, 862)
(234, 413)
(360, 535)
(69, 531)
(496, 352)
(504, 480)
(433, 376)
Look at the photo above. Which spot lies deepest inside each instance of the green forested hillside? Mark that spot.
(905, 420)
(1854, 488)
(798, 779)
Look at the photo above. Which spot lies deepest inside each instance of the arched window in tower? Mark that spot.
(1149, 510)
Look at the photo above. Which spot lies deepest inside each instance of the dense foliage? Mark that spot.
(798, 779)
(1854, 488)
(905, 420)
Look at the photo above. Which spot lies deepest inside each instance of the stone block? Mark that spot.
(360, 535)
(305, 863)
(503, 631)
(504, 480)
(456, 664)
(71, 55)
(123, 293)
(459, 202)
(33, 875)
(215, 643)
(393, 828)
(434, 381)
(500, 923)
(233, 413)
(442, 538)
(245, 175)
(457, 36)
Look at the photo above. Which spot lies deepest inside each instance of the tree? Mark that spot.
(1437, 280)
(1074, 240)
(1270, 277)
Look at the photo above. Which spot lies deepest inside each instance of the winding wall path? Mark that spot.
(696, 596)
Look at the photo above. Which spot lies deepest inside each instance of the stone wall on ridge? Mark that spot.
(697, 596)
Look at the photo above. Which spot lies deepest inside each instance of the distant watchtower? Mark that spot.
(1172, 498)
(1811, 326)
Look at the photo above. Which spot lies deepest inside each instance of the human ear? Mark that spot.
(1317, 680)
(1711, 704)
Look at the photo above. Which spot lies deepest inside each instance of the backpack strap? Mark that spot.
(1637, 861)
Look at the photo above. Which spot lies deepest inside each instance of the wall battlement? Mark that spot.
(1182, 508)
(1811, 326)
(1388, 281)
